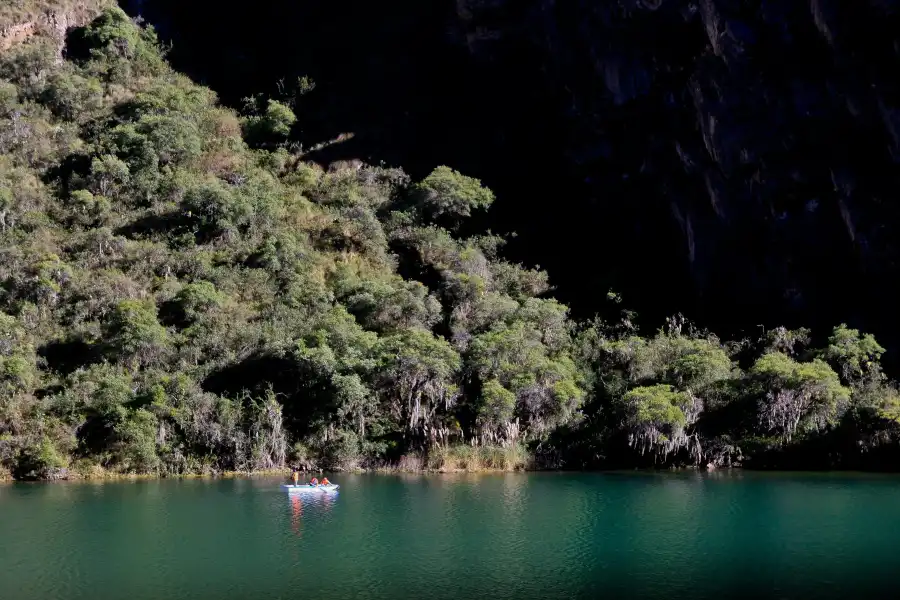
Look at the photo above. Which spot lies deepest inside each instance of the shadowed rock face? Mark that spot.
(734, 160)
(762, 137)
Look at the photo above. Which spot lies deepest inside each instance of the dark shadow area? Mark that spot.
(861, 442)
(77, 47)
(69, 355)
(152, 224)
(307, 399)
(172, 314)
(70, 167)
(94, 434)
(303, 397)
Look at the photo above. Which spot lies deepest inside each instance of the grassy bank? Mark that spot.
(441, 459)
(479, 458)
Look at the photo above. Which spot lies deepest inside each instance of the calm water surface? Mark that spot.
(461, 536)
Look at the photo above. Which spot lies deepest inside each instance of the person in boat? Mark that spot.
(314, 482)
(296, 476)
(325, 481)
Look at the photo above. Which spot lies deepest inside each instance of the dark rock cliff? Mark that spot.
(735, 160)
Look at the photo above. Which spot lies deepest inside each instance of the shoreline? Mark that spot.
(264, 473)
(113, 476)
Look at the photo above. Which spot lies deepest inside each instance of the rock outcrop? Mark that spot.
(758, 142)
(24, 19)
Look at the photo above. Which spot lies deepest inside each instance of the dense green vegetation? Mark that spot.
(183, 293)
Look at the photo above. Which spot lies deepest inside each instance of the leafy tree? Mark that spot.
(135, 445)
(654, 417)
(854, 355)
(498, 406)
(134, 333)
(268, 442)
(798, 396)
(786, 341)
(448, 193)
(386, 306)
(215, 210)
(417, 373)
(118, 50)
(279, 118)
(71, 96)
(48, 277)
(195, 299)
(547, 386)
(18, 368)
(108, 175)
(89, 210)
(274, 122)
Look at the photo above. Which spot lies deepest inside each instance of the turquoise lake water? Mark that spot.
(544, 535)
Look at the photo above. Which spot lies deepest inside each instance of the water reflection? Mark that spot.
(296, 514)
(321, 503)
(513, 489)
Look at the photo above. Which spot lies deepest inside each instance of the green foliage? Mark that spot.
(815, 376)
(520, 359)
(71, 96)
(100, 391)
(787, 341)
(134, 333)
(690, 363)
(800, 396)
(274, 122)
(135, 446)
(120, 51)
(417, 377)
(182, 293)
(108, 175)
(279, 118)
(655, 406)
(448, 193)
(854, 355)
(17, 373)
(386, 306)
(341, 451)
(195, 299)
(89, 210)
(38, 459)
(698, 364)
(498, 404)
(888, 405)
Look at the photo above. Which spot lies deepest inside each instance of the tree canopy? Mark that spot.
(183, 291)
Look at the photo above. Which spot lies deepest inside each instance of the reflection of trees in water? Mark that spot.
(514, 494)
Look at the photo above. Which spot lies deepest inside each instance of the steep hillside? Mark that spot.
(740, 156)
(178, 301)
(183, 291)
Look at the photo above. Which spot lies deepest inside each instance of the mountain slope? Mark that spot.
(183, 291)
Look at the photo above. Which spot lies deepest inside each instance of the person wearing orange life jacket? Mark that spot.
(325, 481)
(314, 482)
